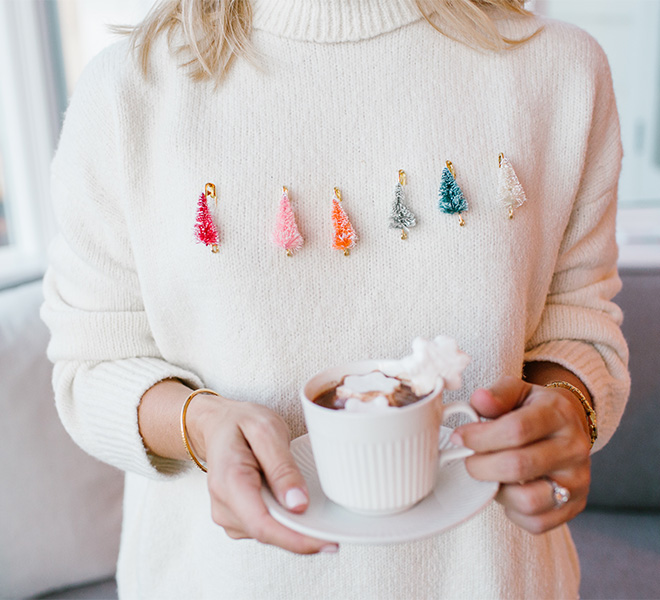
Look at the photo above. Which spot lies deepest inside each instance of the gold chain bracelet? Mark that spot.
(184, 431)
(590, 412)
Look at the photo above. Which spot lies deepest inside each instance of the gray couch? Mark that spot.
(61, 540)
(618, 536)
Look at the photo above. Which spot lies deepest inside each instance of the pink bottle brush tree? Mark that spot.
(286, 234)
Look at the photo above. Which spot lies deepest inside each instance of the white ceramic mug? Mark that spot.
(381, 462)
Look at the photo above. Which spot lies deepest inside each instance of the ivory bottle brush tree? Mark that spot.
(509, 190)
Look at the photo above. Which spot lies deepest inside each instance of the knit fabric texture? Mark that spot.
(349, 93)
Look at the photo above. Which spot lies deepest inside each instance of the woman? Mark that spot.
(161, 285)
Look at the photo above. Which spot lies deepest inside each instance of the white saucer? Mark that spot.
(456, 498)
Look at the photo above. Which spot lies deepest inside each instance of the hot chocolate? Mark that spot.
(362, 393)
(374, 425)
(398, 383)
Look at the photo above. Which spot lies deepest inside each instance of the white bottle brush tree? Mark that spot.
(401, 217)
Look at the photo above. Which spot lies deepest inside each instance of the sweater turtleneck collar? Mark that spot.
(332, 20)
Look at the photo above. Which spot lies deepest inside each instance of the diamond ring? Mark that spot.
(560, 495)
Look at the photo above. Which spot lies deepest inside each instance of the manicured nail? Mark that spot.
(295, 498)
(456, 439)
(330, 548)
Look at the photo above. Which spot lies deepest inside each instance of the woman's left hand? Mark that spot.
(537, 434)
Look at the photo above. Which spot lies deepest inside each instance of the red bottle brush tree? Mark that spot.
(205, 230)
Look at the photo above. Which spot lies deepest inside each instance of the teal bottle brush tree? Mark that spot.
(450, 196)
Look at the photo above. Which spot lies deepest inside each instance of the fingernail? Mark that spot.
(330, 548)
(456, 439)
(295, 498)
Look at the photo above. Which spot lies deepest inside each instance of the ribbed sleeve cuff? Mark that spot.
(609, 393)
(107, 396)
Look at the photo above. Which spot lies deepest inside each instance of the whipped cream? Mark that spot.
(432, 363)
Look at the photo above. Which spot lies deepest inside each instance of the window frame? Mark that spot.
(30, 115)
(34, 93)
(638, 216)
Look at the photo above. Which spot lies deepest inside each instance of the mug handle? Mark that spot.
(448, 454)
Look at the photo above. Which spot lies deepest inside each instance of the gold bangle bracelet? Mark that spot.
(184, 431)
(589, 411)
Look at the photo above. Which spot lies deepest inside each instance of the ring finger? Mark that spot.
(532, 498)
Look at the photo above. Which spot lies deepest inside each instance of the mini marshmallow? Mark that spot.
(377, 404)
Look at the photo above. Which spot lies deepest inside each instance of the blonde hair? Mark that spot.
(209, 55)
(471, 21)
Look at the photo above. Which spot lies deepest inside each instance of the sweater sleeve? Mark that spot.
(103, 351)
(580, 325)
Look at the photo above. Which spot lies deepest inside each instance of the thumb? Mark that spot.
(280, 470)
(286, 481)
(506, 394)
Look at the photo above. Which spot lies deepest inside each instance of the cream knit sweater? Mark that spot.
(350, 92)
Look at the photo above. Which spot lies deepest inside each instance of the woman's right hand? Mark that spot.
(240, 441)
